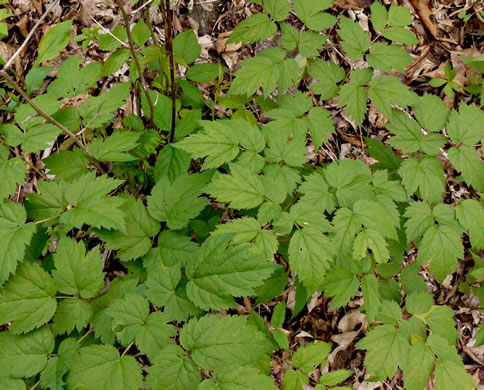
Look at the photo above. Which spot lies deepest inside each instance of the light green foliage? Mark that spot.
(54, 41)
(140, 227)
(177, 202)
(27, 300)
(215, 342)
(23, 356)
(128, 261)
(16, 234)
(101, 367)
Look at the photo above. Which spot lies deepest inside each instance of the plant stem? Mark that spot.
(169, 49)
(134, 53)
(51, 119)
(127, 349)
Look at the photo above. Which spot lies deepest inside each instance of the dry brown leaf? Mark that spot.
(424, 12)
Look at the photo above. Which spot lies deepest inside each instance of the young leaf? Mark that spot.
(279, 10)
(328, 75)
(387, 57)
(216, 342)
(27, 300)
(416, 373)
(54, 41)
(177, 202)
(99, 367)
(186, 46)
(354, 96)
(334, 377)
(294, 380)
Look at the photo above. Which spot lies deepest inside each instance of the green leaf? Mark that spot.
(132, 321)
(419, 303)
(334, 377)
(279, 10)
(172, 369)
(310, 254)
(379, 16)
(239, 378)
(431, 112)
(171, 162)
(312, 355)
(387, 57)
(416, 373)
(141, 33)
(242, 189)
(16, 234)
(52, 377)
(450, 375)
(163, 290)
(294, 380)
(12, 172)
(409, 137)
(243, 229)
(98, 110)
(316, 192)
(36, 76)
(177, 202)
(67, 165)
(354, 96)
(310, 43)
(356, 41)
(440, 320)
(70, 314)
(23, 356)
(467, 160)
(464, 127)
(175, 249)
(140, 227)
(342, 285)
(112, 148)
(470, 215)
(54, 41)
(220, 272)
(255, 72)
(387, 349)
(77, 272)
(308, 11)
(11, 384)
(328, 75)
(216, 342)
(279, 315)
(115, 61)
(426, 176)
(201, 73)
(99, 367)
(385, 90)
(399, 16)
(219, 143)
(186, 46)
(401, 35)
(257, 27)
(27, 300)
(373, 240)
(443, 247)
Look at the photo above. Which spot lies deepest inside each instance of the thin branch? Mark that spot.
(140, 8)
(136, 60)
(36, 26)
(51, 119)
(169, 49)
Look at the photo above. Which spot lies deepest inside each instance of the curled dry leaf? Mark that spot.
(424, 12)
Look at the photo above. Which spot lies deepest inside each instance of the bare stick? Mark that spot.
(36, 26)
(51, 119)
(136, 60)
(169, 49)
